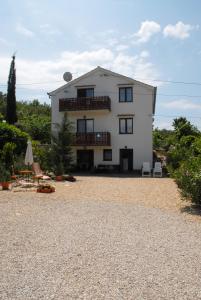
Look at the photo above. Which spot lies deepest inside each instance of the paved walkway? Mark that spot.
(59, 247)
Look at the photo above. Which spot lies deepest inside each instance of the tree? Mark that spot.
(162, 139)
(11, 115)
(3, 106)
(61, 146)
(183, 128)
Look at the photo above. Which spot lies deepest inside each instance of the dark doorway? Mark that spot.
(126, 160)
(85, 160)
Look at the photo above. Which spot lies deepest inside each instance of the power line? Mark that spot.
(33, 83)
(177, 116)
(156, 80)
(171, 81)
(143, 94)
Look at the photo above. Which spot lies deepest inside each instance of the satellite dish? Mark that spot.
(67, 76)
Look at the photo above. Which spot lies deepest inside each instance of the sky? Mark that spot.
(156, 42)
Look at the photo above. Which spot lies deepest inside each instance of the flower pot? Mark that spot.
(70, 178)
(5, 185)
(59, 178)
(46, 190)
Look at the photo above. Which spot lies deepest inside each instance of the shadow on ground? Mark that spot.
(112, 175)
(191, 209)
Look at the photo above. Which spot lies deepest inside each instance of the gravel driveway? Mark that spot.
(91, 246)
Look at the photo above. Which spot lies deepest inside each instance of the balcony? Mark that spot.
(85, 103)
(92, 139)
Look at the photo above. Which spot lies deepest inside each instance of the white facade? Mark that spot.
(141, 110)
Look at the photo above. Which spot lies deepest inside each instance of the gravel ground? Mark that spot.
(98, 239)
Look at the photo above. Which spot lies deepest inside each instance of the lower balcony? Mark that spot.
(92, 139)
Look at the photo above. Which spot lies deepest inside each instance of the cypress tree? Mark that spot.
(11, 115)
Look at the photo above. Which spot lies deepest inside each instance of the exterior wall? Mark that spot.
(141, 108)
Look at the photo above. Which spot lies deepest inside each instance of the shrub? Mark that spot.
(19, 163)
(4, 173)
(188, 178)
(42, 154)
(7, 155)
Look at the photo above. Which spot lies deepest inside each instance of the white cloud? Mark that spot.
(182, 104)
(179, 30)
(111, 42)
(144, 54)
(24, 31)
(51, 71)
(147, 30)
(121, 47)
(163, 123)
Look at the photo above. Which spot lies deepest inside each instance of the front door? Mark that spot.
(126, 160)
(85, 160)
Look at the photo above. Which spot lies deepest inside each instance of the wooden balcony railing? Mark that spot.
(92, 139)
(87, 103)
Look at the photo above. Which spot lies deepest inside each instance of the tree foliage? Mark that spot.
(11, 134)
(33, 117)
(183, 127)
(11, 115)
(162, 139)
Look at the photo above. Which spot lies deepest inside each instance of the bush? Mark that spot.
(7, 155)
(4, 173)
(188, 178)
(19, 163)
(42, 154)
(12, 134)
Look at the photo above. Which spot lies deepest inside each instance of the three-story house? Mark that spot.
(112, 116)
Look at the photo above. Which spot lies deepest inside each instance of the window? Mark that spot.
(88, 92)
(85, 125)
(126, 126)
(126, 94)
(107, 154)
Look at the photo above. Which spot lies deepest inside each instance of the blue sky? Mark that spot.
(147, 40)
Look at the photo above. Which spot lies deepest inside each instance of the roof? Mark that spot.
(75, 81)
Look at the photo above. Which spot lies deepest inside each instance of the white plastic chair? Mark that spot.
(157, 171)
(146, 169)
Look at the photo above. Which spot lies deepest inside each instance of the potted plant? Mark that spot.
(4, 178)
(59, 170)
(45, 188)
(69, 178)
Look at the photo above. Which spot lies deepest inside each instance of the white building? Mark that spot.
(112, 116)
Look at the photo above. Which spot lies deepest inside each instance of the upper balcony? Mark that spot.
(85, 103)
